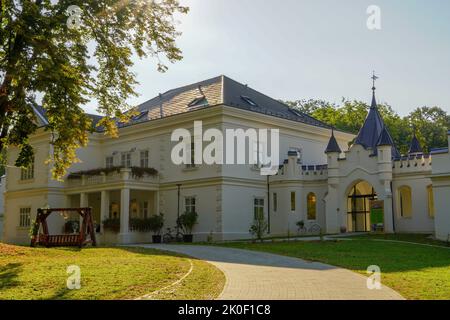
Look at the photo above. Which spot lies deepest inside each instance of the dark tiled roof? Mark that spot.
(385, 138)
(42, 114)
(415, 146)
(216, 91)
(235, 94)
(333, 146)
(439, 150)
(371, 132)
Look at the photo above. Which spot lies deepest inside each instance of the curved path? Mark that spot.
(260, 275)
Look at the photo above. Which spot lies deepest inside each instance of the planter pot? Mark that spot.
(188, 237)
(156, 238)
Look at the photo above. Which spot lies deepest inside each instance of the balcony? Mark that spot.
(113, 177)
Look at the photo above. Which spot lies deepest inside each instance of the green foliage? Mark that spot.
(136, 172)
(156, 223)
(430, 124)
(112, 224)
(187, 221)
(259, 228)
(43, 62)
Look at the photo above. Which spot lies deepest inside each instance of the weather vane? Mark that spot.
(374, 78)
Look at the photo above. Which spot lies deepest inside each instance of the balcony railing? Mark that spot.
(125, 174)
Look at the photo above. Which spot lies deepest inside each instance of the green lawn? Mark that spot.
(414, 270)
(106, 273)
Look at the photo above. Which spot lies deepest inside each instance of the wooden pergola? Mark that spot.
(63, 240)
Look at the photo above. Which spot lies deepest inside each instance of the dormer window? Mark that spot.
(249, 101)
(198, 102)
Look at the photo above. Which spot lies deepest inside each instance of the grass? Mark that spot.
(106, 273)
(415, 271)
(408, 237)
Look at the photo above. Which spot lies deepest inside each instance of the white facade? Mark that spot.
(225, 194)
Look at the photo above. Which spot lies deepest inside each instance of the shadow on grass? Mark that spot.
(9, 275)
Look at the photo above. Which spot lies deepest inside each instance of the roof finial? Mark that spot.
(374, 102)
(374, 78)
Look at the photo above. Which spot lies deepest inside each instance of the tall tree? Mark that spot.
(431, 124)
(67, 56)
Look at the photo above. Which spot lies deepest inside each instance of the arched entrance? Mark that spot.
(364, 210)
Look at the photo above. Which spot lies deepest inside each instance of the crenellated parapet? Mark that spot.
(417, 163)
(296, 171)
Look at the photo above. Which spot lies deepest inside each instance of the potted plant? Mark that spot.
(156, 223)
(187, 221)
(71, 226)
(300, 225)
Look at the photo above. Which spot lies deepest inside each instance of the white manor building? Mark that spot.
(321, 181)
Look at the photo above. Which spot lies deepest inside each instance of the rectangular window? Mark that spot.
(144, 159)
(125, 160)
(189, 204)
(292, 200)
(109, 162)
(275, 201)
(192, 163)
(144, 210)
(27, 173)
(25, 219)
(258, 208)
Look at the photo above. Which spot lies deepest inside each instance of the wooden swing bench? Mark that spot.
(63, 240)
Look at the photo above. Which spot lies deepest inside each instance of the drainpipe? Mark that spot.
(268, 205)
(392, 204)
(178, 207)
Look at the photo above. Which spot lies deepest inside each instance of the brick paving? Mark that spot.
(258, 275)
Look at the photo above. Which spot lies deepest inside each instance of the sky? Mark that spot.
(320, 49)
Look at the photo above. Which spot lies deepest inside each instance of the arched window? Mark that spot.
(430, 201)
(404, 199)
(311, 201)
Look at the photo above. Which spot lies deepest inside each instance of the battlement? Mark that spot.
(304, 172)
(412, 163)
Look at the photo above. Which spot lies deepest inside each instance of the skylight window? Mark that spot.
(140, 115)
(296, 112)
(198, 102)
(249, 101)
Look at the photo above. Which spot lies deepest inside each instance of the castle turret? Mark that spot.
(384, 153)
(372, 129)
(333, 151)
(415, 147)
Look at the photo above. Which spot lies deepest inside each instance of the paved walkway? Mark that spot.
(259, 275)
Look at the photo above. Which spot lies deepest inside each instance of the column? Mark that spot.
(104, 207)
(156, 202)
(83, 204)
(83, 200)
(124, 214)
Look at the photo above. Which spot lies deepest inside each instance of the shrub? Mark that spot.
(156, 223)
(112, 224)
(258, 228)
(187, 221)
